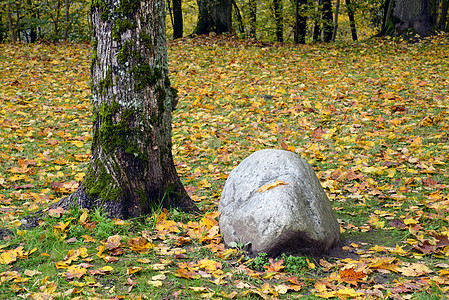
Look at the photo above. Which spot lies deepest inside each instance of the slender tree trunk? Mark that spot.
(412, 15)
(214, 16)
(252, 17)
(318, 22)
(67, 20)
(12, 32)
(277, 4)
(300, 22)
(327, 21)
(334, 32)
(56, 20)
(131, 170)
(443, 15)
(178, 27)
(350, 9)
(238, 16)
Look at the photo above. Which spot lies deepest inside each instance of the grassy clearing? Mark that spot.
(371, 117)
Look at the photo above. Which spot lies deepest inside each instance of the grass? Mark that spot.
(371, 117)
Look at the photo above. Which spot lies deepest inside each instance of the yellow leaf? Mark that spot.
(83, 217)
(204, 184)
(80, 176)
(75, 271)
(107, 268)
(8, 257)
(79, 144)
(271, 185)
(155, 283)
(410, 221)
(133, 270)
(31, 272)
(209, 265)
(159, 277)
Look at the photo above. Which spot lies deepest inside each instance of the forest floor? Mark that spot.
(371, 117)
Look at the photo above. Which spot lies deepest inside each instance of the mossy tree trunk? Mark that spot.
(214, 16)
(131, 170)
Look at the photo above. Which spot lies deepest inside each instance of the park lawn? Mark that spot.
(371, 117)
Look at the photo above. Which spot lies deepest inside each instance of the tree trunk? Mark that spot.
(350, 9)
(67, 20)
(252, 17)
(277, 4)
(317, 23)
(432, 7)
(214, 16)
(56, 21)
(238, 16)
(443, 15)
(177, 19)
(334, 31)
(12, 32)
(327, 20)
(131, 171)
(300, 22)
(411, 16)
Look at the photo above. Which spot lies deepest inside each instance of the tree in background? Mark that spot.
(175, 11)
(54, 20)
(300, 22)
(214, 16)
(327, 16)
(412, 16)
(131, 171)
(351, 17)
(279, 20)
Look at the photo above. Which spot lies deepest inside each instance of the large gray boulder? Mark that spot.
(295, 217)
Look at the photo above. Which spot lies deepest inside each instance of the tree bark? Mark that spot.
(178, 27)
(334, 31)
(56, 20)
(317, 23)
(327, 20)
(300, 22)
(67, 20)
(238, 16)
(214, 16)
(443, 16)
(252, 17)
(12, 32)
(277, 4)
(131, 171)
(412, 16)
(350, 9)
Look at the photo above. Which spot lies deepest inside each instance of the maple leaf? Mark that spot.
(139, 244)
(113, 242)
(275, 265)
(351, 276)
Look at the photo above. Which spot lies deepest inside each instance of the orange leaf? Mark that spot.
(275, 266)
(113, 242)
(350, 276)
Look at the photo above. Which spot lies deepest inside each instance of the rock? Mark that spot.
(295, 217)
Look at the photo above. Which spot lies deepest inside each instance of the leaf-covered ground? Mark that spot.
(371, 117)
